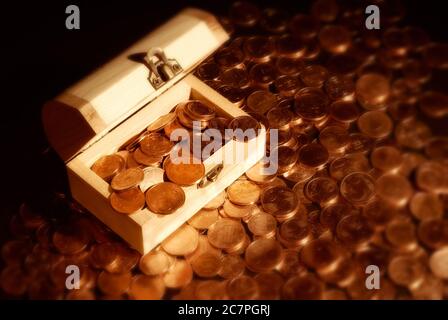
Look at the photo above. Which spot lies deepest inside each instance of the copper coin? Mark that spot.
(127, 201)
(303, 287)
(145, 287)
(334, 138)
(258, 48)
(179, 275)
(433, 233)
(165, 198)
(344, 111)
(154, 144)
(103, 255)
(242, 288)
(234, 95)
(249, 128)
(378, 214)
(261, 101)
(372, 90)
(413, 134)
(204, 218)
(197, 110)
(335, 39)
(425, 205)
(375, 124)
(233, 266)
(70, 240)
(278, 200)
(114, 284)
(274, 20)
(394, 189)
(432, 176)
(358, 188)
(229, 58)
(437, 148)
(155, 263)
(287, 85)
(243, 192)
(354, 231)
(438, 263)
(279, 118)
(208, 71)
(314, 76)
(235, 77)
(313, 155)
(386, 158)
(304, 27)
(332, 214)
(312, 105)
(400, 233)
(184, 174)
(244, 14)
(269, 284)
(289, 66)
(259, 173)
(287, 158)
(406, 271)
(289, 47)
(341, 167)
(207, 265)
(360, 143)
(226, 233)
(434, 104)
(322, 190)
(263, 75)
(325, 10)
(263, 255)
(127, 179)
(262, 225)
(108, 166)
(204, 246)
(294, 233)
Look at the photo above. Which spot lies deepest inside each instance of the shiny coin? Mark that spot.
(108, 166)
(155, 263)
(372, 90)
(226, 234)
(375, 124)
(182, 242)
(184, 174)
(358, 188)
(313, 155)
(127, 201)
(143, 287)
(243, 192)
(204, 218)
(165, 198)
(155, 144)
(127, 179)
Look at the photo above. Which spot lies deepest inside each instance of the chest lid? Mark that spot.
(85, 112)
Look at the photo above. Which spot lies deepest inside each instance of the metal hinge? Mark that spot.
(161, 68)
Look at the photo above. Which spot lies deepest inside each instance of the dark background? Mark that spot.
(40, 58)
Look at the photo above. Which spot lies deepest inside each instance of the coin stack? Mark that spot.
(362, 176)
(136, 172)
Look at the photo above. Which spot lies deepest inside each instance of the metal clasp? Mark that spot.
(161, 68)
(211, 176)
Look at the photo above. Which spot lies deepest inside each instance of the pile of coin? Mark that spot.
(362, 179)
(137, 172)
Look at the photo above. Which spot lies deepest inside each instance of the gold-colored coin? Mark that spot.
(243, 192)
(127, 179)
(184, 174)
(108, 166)
(165, 198)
